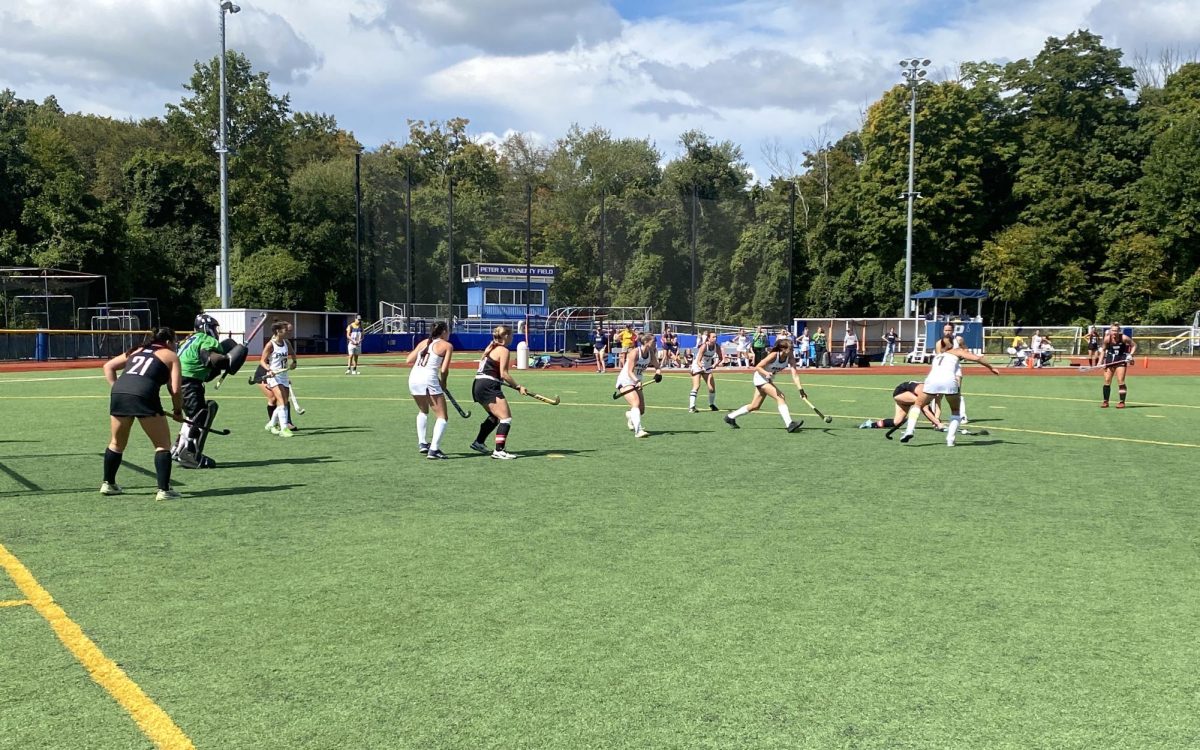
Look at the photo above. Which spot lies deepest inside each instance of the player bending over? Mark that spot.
(777, 358)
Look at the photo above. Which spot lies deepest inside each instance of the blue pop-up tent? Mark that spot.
(979, 295)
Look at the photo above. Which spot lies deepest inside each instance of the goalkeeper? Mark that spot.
(202, 358)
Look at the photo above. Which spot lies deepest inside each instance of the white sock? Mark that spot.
(962, 407)
(439, 429)
(422, 423)
(914, 412)
(692, 400)
(739, 412)
(950, 433)
(783, 412)
(636, 417)
(281, 412)
(712, 398)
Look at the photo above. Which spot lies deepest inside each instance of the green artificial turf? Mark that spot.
(701, 588)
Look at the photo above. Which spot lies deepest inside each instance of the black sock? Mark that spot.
(112, 462)
(1107, 391)
(502, 435)
(886, 423)
(1122, 391)
(485, 428)
(270, 410)
(162, 469)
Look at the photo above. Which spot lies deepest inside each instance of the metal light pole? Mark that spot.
(914, 73)
(223, 152)
(358, 232)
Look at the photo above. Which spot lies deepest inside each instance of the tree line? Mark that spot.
(1065, 184)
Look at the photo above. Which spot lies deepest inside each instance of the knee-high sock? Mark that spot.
(270, 410)
(783, 412)
(889, 423)
(112, 462)
(914, 413)
(692, 400)
(439, 429)
(712, 398)
(422, 423)
(1107, 392)
(1122, 391)
(485, 428)
(162, 469)
(635, 416)
(281, 414)
(962, 407)
(502, 431)
(953, 429)
(739, 412)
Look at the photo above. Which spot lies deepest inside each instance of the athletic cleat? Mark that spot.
(167, 495)
(436, 454)
(731, 422)
(1104, 404)
(794, 425)
(111, 488)
(273, 430)
(693, 410)
(906, 437)
(347, 371)
(1120, 404)
(503, 455)
(949, 443)
(269, 426)
(964, 420)
(641, 434)
(292, 427)
(480, 447)
(285, 432)
(713, 407)
(866, 425)
(424, 447)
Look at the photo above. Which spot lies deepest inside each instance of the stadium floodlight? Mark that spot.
(914, 73)
(223, 153)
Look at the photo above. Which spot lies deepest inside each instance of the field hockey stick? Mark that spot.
(1123, 363)
(544, 399)
(295, 401)
(617, 395)
(454, 403)
(815, 409)
(253, 332)
(202, 428)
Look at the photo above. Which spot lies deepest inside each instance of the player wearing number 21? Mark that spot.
(943, 380)
(135, 395)
(779, 357)
(427, 386)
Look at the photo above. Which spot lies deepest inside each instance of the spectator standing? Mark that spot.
(891, 342)
(600, 347)
(849, 348)
(804, 355)
(758, 344)
(742, 342)
(819, 343)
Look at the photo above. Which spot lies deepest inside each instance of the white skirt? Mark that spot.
(941, 386)
(759, 380)
(423, 385)
(279, 379)
(624, 382)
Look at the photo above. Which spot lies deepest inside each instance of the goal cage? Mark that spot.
(569, 329)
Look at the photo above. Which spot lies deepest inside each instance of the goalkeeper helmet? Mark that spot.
(206, 323)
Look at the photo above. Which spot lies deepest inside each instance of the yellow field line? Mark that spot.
(152, 720)
(15, 603)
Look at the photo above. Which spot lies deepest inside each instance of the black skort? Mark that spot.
(486, 392)
(134, 405)
(905, 388)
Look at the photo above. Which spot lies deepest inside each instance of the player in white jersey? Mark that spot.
(640, 357)
(427, 385)
(708, 358)
(947, 342)
(944, 377)
(779, 357)
(277, 358)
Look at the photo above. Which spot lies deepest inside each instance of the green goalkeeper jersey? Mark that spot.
(193, 355)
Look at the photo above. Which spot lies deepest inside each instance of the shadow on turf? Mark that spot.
(242, 490)
(275, 461)
(328, 430)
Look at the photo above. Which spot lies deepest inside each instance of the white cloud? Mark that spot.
(745, 71)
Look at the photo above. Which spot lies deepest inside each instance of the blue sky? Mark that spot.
(771, 75)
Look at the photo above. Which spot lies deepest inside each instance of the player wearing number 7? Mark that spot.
(708, 358)
(629, 382)
(943, 380)
(1118, 351)
(779, 357)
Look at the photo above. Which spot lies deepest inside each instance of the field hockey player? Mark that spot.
(708, 358)
(427, 383)
(629, 382)
(779, 357)
(487, 391)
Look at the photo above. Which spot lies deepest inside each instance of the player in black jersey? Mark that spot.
(905, 396)
(135, 395)
(1118, 353)
(492, 373)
